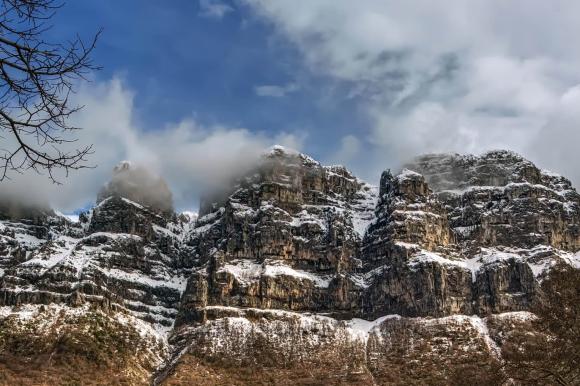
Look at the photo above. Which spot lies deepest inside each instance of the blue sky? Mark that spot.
(191, 89)
(180, 62)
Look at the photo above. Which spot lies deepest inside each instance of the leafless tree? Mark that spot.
(36, 80)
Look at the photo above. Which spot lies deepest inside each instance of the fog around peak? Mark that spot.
(138, 184)
(189, 157)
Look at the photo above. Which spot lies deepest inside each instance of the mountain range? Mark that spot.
(292, 273)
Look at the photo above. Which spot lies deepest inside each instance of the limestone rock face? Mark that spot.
(121, 255)
(289, 208)
(118, 214)
(293, 260)
(502, 199)
(407, 213)
(506, 285)
(467, 235)
(291, 348)
(286, 237)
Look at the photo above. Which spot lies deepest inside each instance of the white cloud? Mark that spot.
(445, 76)
(460, 75)
(556, 144)
(214, 9)
(191, 157)
(294, 140)
(274, 90)
(350, 148)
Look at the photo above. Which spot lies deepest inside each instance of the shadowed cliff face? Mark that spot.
(292, 262)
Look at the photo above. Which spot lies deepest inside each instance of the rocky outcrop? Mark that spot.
(61, 345)
(121, 255)
(407, 213)
(502, 199)
(141, 185)
(286, 237)
(118, 214)
(289, 208)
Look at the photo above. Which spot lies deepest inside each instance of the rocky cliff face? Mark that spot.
(292, 262)
(287, 237)
(502, 199)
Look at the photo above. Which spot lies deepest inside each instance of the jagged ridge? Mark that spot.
(449, 235)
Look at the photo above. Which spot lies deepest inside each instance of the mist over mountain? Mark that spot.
(139, 184)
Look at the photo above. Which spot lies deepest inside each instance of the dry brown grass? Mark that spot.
(88, 349)
(197, 372)
(404, 352)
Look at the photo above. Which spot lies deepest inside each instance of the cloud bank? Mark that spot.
(139, 184)
(464, 76)
(190, 157)
(457, 75)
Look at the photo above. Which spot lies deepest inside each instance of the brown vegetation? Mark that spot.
(62, 349)
(551, 354)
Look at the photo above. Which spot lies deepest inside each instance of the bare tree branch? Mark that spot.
(36, 80)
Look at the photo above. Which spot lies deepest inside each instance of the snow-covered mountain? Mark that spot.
(295, 273)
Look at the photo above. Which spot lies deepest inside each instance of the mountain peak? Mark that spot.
(123, 166)
(282, 152)
(453, 171)
(280, 149)
(139, 184)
